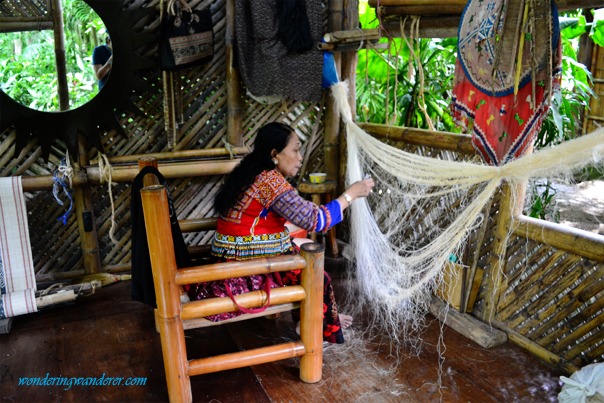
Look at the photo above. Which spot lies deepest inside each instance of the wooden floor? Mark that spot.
(108, 335)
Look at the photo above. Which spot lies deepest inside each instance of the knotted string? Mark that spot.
(62, 182)
(105, 176)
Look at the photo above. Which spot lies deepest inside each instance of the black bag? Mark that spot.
(186, 37)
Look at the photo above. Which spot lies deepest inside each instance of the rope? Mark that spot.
(229, 148)
(61, 176)
(105, 176)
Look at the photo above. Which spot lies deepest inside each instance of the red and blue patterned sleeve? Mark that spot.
(305, 214)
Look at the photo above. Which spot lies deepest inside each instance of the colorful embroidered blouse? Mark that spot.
(255, 226)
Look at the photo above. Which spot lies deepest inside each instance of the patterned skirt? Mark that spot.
(332, 330)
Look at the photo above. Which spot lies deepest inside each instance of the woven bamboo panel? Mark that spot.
(595, 114)
(555, 299)
(25, 9)
(56, 247)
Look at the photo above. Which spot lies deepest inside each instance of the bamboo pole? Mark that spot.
(148, 180)
(536, 349)
(84, 210)
(128, 173)
(10, 26)
(206, 152)
(163, 261)
(271, 310)
(245, 358)
(233, 81)
(562, 5)
(443, 140)
(354, 35)
(468, 278)
(311, 312)
(350, 59)
(495, 274)
(331, 147)
(222, 271)
(579, 242)
(168, 169)
(60, 59)
(252, 299)
(198, 224)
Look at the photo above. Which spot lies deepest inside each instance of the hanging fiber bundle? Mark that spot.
(421, 212)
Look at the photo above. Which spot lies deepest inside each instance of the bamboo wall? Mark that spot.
(56, 248)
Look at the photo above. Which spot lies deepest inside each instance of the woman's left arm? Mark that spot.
(305, 214)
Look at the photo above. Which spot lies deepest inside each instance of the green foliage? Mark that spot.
(29, 75)
(543, 197)
(389, 87)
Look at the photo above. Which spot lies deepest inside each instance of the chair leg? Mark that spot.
(311, 313)
(175, 359)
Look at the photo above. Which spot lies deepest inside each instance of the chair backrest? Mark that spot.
(171, 312)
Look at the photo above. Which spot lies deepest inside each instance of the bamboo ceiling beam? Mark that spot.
(562, 5)
(24, 26)
(441, 19)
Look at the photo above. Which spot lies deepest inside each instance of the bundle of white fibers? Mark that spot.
(396, 276)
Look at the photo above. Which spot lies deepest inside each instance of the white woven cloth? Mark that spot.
(17, 277)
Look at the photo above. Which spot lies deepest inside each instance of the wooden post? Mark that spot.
(57, 21)
(233, 82)
(148, 180)
(167, 293)
(494, 275)
(311, 313)
(85, 217)
(331, 148)
(350, 59)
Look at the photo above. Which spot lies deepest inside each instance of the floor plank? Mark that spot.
(109, 334)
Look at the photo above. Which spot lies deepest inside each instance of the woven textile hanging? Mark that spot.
(509, 60)
(17, 277)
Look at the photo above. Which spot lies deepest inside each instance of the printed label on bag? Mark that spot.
(187, 49)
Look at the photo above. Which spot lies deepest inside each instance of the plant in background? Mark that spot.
(389, 83)
(29, 75)
(543, 194)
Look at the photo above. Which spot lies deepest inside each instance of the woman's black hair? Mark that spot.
(272, 136)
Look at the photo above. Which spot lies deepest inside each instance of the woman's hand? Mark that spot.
(358, 189)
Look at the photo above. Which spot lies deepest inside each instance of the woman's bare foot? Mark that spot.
(345, 320)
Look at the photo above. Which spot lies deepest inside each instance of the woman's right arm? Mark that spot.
(305, 214)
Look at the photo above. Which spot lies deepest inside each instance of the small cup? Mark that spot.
(318, 177)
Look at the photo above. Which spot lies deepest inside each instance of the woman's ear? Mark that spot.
(274, 153)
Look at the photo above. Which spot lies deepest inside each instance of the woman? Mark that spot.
(254, 204)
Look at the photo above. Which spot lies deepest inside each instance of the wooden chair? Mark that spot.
(171, 313)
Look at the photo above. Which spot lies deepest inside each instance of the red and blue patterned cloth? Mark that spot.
(504, 124)
(255, 227)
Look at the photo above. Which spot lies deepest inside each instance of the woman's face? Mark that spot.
(289, 160)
